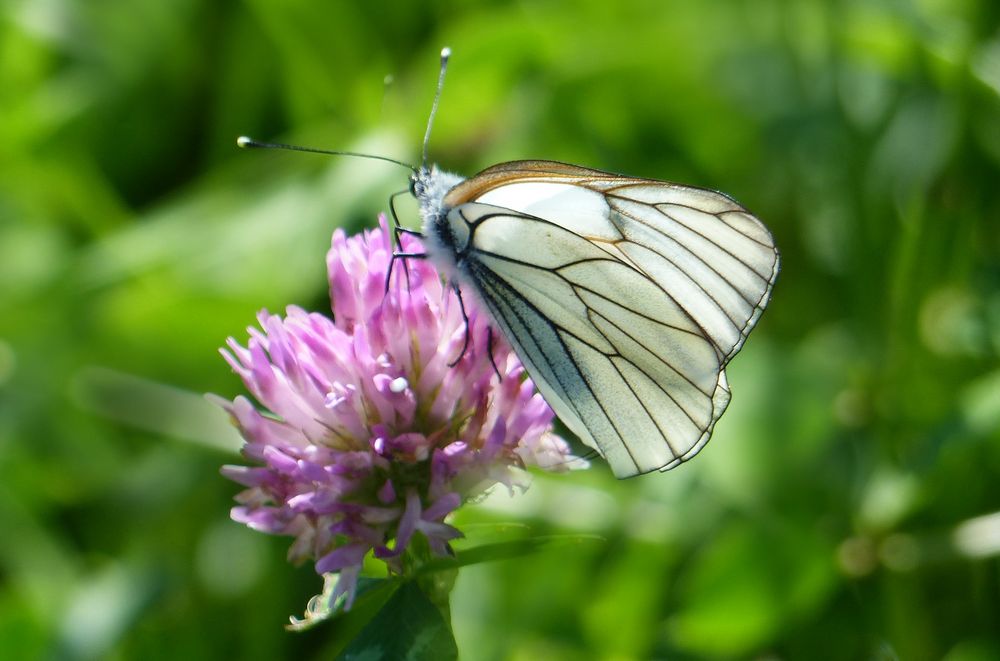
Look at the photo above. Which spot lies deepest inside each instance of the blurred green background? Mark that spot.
(849, 504)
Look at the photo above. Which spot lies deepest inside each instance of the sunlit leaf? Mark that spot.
(408, 627)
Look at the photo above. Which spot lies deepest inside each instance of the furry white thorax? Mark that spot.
(429, 187)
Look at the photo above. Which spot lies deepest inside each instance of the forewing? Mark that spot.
(710, 254)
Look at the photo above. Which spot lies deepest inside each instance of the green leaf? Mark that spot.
(408, 627)
(507, 550)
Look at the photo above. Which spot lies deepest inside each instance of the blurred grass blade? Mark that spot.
(155, 407)
(510, 549)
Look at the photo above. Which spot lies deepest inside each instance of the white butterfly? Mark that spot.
(624, 298)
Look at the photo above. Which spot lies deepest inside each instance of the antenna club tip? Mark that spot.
(445, 53)
(244, 142)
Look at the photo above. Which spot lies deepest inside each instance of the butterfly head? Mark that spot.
(429, 185)
(418, 182)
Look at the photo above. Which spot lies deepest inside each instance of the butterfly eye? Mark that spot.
(413, 186)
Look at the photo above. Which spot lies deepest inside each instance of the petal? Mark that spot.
(341, 557)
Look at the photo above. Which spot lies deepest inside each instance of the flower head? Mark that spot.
(373, 432)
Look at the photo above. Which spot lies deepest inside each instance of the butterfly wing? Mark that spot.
(624, 298)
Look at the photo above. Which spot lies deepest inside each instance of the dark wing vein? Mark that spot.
(742, 323)
(680, 221)
(691, 278)
(555, 366)
(576, 285)
(685, 248)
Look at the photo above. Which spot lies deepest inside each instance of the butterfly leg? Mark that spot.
(398, 229)
(465, 318)
(403, 230)
(392, 261)
(489, 350)
(392, 211)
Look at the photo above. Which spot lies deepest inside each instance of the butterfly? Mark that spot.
(624, 298)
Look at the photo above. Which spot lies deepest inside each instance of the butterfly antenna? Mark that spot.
(445, 54)
(249, 143)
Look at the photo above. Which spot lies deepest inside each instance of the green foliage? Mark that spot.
(409, 627)
(842, 508)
